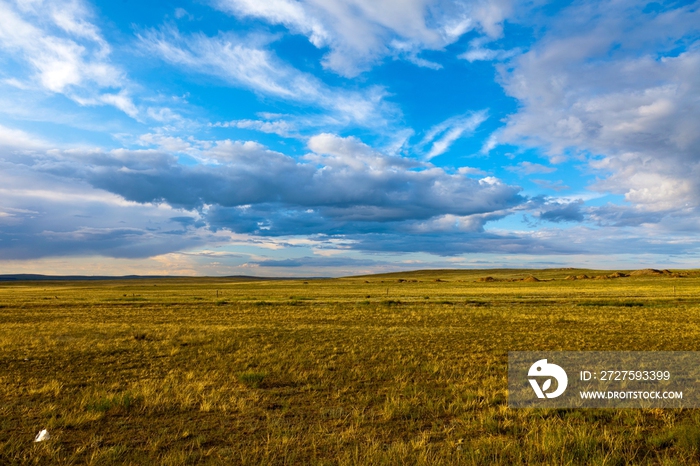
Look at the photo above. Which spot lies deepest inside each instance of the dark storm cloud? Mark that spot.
(578, 240)
(44, 215)
(625, 216)
(559, 212)
(449, 244)
(23, 243)
(249, 188)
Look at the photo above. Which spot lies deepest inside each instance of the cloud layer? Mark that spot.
(308, 134)
(342, 185)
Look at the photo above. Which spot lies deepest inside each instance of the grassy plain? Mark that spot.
(386, 369)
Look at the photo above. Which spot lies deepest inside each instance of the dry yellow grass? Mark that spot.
(393, 369)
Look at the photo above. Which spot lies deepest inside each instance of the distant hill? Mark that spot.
(507, 274)
(37, 277)
(412, 275)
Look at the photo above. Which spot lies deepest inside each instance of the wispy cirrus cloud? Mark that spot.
(280, 127)
(360, 33)
(477, 51)
(248, 63)
(440, 137)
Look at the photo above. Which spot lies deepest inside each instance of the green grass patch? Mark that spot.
(251, 379)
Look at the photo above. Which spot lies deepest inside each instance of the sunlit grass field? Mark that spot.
(406, 368)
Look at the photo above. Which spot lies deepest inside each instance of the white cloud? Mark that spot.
(333, 151)
(182, 13)
(361, 32)
(19, 140)
(470, 171)
(477, 51)
(71, 16)
(122, 101)
(164, 115)
(301, 126)
(64, 50)
(455, 223)
(651, 182)
(483, 54)
(167, 143)
(608, 83)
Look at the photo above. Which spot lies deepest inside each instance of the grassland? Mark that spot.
(390, 369)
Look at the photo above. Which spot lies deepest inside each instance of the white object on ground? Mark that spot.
(43, 435)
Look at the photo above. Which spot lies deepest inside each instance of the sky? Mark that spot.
(329, 138)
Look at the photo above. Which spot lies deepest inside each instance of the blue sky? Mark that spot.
(328, 137)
